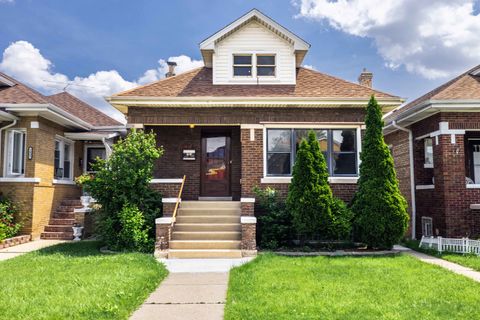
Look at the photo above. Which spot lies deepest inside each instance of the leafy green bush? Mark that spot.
(8, 227)
(315, 211)
(275, 223)
(380, 210)
(121, 185)
(134, 233)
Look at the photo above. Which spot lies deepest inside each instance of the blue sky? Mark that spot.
(80, 38)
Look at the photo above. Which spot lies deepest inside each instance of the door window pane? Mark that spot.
(215, 157)
(92, 155)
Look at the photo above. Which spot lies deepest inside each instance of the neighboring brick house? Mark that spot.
(236, 123)
(435, 141)
(45, 142)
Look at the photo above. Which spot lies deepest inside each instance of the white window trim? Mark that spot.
(287, 179)
(64, 141)
(85, 152)
(253, 77)
(6, 157)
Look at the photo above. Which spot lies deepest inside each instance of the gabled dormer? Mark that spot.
(253, 49)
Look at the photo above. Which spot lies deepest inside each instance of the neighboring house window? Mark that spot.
(63, 159)
(15, 154)
(427, 226)
(242, 65)
(428, 145)
(266, 65)
(338, 146)
(92, 153)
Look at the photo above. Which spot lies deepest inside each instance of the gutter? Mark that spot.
(412, 176)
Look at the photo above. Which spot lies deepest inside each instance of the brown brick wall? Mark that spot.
(242, 115)
(449, 202)
(174, 139)
(36, 201)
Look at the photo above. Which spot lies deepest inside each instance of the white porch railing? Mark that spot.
(462, 245)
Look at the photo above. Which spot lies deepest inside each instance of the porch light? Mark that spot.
(191, 126)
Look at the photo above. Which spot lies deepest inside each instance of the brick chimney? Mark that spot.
(171, 69)
(365, 78)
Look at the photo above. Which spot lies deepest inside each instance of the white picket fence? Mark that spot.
(462, 245)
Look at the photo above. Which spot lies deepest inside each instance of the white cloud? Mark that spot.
(435, 39)
(24, 62)
(309, 66)
(184, 63)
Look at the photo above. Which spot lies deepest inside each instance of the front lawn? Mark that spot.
(76, 281)
(466, 260)
(400, 287)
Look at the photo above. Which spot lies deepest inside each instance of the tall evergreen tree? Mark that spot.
(380, 211)
(310, 198)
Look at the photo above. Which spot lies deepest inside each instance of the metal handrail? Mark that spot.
(179, 197)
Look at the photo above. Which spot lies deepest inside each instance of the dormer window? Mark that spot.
(242, 65)
(266, 65)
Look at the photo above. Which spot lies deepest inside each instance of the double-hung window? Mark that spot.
(242, 65)
(339, 147)
(63, 160)
(15, 152)
(265, 65)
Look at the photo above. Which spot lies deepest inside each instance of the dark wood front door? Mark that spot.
(215, 171)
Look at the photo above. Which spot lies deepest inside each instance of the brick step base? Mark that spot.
(62, 221)
(57, 235)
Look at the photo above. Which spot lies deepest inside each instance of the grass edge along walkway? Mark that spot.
(75, 281)
(400, 287)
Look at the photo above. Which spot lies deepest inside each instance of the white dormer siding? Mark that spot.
(253, 38)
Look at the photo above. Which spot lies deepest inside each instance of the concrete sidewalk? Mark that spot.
(456, 268)
(196, 289)
(15, 251)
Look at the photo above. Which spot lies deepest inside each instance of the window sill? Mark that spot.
(428, 165)
(473, 186)
(60, 181)
(20, 179)
(332, 180)
(425, 187)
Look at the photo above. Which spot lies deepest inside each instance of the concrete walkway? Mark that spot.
(15, 251)
(195, 289)
(456, 268)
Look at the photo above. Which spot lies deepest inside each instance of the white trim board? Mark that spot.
(21, 179)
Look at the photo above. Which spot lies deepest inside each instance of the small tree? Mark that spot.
(121, 186)
(380, 211)
(310, 199)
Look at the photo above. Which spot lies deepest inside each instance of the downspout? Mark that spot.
(14, 122)
(412, 176)
(108, 149)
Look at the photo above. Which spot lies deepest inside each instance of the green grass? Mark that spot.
(399, 287)
(76, 281)
(466, 260)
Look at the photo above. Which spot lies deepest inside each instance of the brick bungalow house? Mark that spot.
(235, 124)
(435, 141)
(45, 142)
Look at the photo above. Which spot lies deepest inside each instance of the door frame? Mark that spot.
(211, 133)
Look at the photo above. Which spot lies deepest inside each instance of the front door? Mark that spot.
(215, 171)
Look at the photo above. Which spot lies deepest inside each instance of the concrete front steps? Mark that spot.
(62, 221)
(207, 229)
